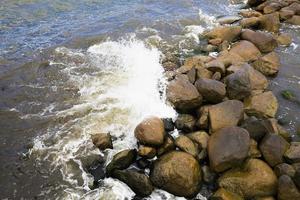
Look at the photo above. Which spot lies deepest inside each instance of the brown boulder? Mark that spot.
(272, 7)
(268, 64)
(250, 13)
(255, 127)
(216, 66)
(222, 194)
(225, 114)
(211, 90)
(150, 131)
(102, 141)
(284, 169)
(284, 39)
(251, 22)
(178, 173)
(187, 145)
(167, 146)
(287, 189)
(295, 20)
(293, 153)
(223, 157)
(248, 51)
(199, 137)
(185, 122)
(285, 14)
(229, 33)
(270, 22)
(147, 152)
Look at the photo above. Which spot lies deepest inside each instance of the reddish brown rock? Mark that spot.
(102, 141)
(229, 33)
(245, 49)
(211, 90)
(270, 22)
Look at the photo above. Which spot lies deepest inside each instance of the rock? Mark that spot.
(245, 49)
(250, 13)
(225, 114)
(147, 152)
(228, 19)
(270, 22)
(192, 75)
(97, 171)
(167, 146)
(251, 22)
(263, 105)
(170, 66)
(273, 127)
(293, 153)
(139, 183)
(238, 85)
(185, 122)
(295, 7)
(168, 124)
(121, 160)
(208, 175)
(229, 33)
(216, 66)
(287, 189)
(222, 194)
(273, 148)
(229, 58)
(183, 94)
(143, 163)
(296, 177)
(202, 122)
(211, 90)
(254, 179)
(102, 141)
(285, 14)
(295, 20)
(284, 39)
(217, 76)
(284, 169)
(150, 131)
(223, 157)
(178, 173)
(263, 41)
(255, 127)
(199, 137)
(187, 145)
(215, 42)
(204, 73)
(265, 198)
(253, 3)
(272, 7)
(268, 64)
(253, 151)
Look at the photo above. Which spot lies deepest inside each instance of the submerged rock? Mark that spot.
(102, 141)
(178, 173)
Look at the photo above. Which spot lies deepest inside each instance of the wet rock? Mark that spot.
(223, 157)
(187, 145)
(253, 3)
(284, 39)
(263, 41)
(273, 148)
(217, 76)
(295, 20)
(215, 42)
(147, 152)
(229, 33)
(225, 114)
(255, 127)
(168, 124)
(208, 175)
(253, 151)
(121, 160)
(170, 66)
(285, 14)
(295, 7)
(287, 189)
(183, 95)
(230, 58)
(293, 153)
(228, 19)
(178, 173)
(102, 141)
(185, 122)
(272, 7)
(199, 137)
(263, 105)
(202, 122)
(97, 171)
(222, 194)
(250, 13)
(192, 75)
(268, 64)
(251, 22)
(167, 146)
(139, 183)
(273, 127)
(248, 51)
(216, 66)
(150, 131)
(254, 179)
(143, 163)
(296, 177)
(284, 169)
(270, 22)
(211, 90)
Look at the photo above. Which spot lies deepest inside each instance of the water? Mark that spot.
(70, 69)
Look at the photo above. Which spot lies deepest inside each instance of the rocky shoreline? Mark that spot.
(229, 138)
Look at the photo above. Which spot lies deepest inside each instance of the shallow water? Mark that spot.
(74, 68)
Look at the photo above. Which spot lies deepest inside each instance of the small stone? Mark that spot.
(147, 152)
(217, 76)
(168, 124)
(228, 19)
(102, 141)
(222, 194)
(187, 145)
(216, 66)
(202, 122)
(186, 123)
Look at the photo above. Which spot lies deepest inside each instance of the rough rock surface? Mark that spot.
(102, 141)
(211, 90)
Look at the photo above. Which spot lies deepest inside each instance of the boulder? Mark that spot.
(167, 146)
(284, 39)
(185, 122)
(270, 22)
(222, 194)
(296, 177)
(228, 19)
(147, 152)
(204, 73)
(273, 148)
(295, 20)
(216, 66)
(284, 169)
(254, 179)
(262, 105)
(229, 33)
(225, 114)
(285, 14)
(178, 173)
(272, 7)
(150, 131)
(138, 182)
(263, 41)
(102, 141)
(187, 145)
(211, 90)
(183, 94)
(223, 157)
(250, 13)
(268, 64)
(253, 3)
(199, 137)
(287, 189)
(295, 7)
(192, 75)
(293, 153)
(245, 49)
(251, 22)
(255, 127)
(229, 58)
(121, 160)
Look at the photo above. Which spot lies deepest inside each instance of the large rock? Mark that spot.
(247, 50)
(147, 152)
(254, 179)
(295, 7)
(211, 90)
(273, 148)
(225, 114)
(287, 189)
(121, 160)
(255, 127)
(270, 22)
(295, 20)
(150, 131)
(228, 33)
(251, 22)
(228, 148)
(178, 173)
(185, 122)
(102, 141)
(293, 153)
(257, 80)
(186, 144)
(222, 194)
(139, 183)
(262, 105)
(284, 39)
(268, 64)
(183, 94)
(263, 41)
(216, 66)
